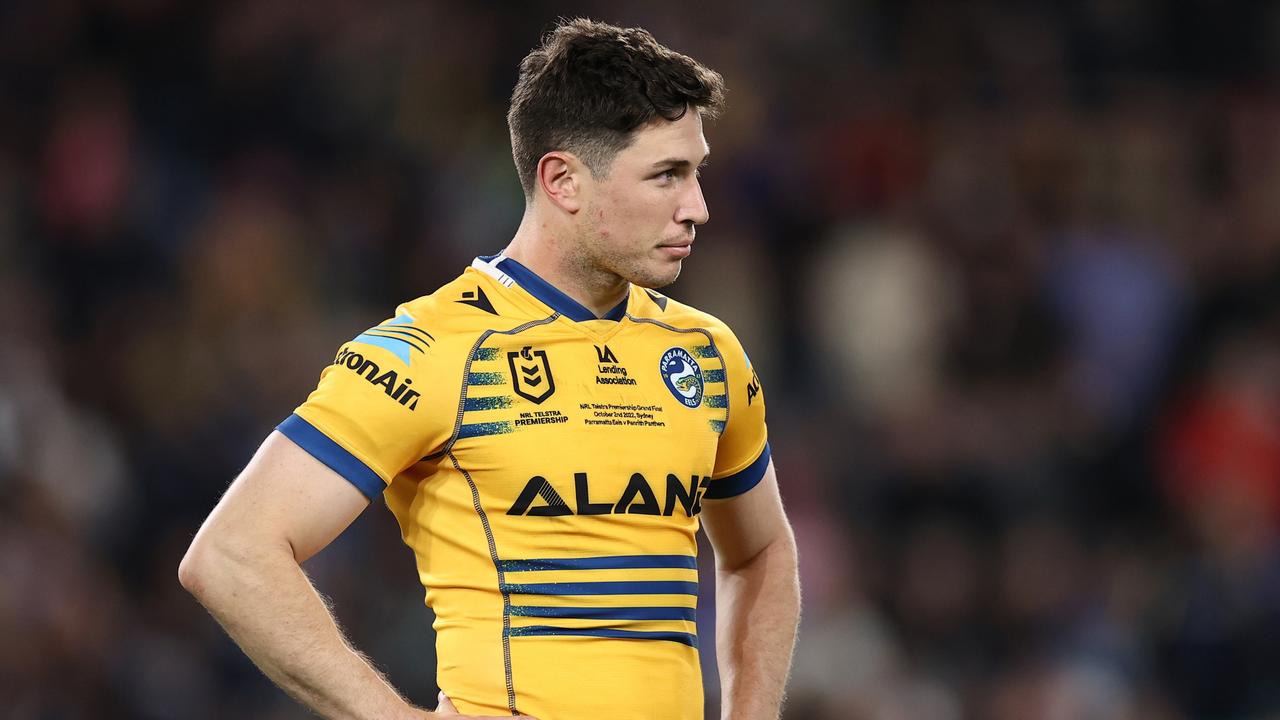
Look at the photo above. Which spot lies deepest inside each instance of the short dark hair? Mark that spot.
(589, 86)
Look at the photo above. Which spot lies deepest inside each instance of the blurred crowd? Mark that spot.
(1010, 274)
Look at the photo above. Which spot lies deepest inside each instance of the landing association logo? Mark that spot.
(682, 375)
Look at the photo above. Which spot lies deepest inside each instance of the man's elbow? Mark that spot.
(788, 555)
(222, 559)
(193, 570)
(208, 563)
(777, 557)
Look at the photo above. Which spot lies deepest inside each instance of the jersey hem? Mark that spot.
(741, 481)
(334, 456)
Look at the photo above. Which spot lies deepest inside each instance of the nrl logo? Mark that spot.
(531, 374)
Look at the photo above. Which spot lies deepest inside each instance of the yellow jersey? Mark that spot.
(547, 468)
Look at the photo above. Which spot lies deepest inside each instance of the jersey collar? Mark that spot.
(507, 270)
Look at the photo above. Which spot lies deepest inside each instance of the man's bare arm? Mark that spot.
(244, 567)
(757, 598)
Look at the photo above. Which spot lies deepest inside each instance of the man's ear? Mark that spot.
(560, 176)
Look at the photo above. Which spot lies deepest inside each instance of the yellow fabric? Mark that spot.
(489, 468)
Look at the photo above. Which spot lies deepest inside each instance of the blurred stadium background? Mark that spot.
(1010, 273)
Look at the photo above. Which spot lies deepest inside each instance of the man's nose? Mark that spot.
(694, 206)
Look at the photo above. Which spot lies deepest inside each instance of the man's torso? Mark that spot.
(547, 472)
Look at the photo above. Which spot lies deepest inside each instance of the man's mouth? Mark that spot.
(677, 250)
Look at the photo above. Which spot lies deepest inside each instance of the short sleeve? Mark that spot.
(371, 417)
(742, 455)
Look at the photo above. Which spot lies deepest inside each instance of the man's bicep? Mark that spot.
(285, 495)
(742, 526)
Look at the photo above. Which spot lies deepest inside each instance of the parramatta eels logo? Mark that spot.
(682, 375)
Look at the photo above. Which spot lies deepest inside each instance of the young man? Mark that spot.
(549, 433)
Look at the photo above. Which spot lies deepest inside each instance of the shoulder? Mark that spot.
(459, 311)
(656, 307)
(457, 306)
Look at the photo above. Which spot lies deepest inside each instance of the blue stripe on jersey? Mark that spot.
(714, 375)
(716, 401)
(718, 426)
(497, 402)
(704, 351)
(615, 562)
(545, 630)
(471, 430)
(607, 613)
(486, 354)
(336, 457)
(399, 348)
(622, 587)
(419, 342)
(741, 481)
(486, 378)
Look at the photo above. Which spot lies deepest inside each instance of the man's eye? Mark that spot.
(667, 175)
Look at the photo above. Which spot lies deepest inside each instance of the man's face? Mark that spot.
(638, 222)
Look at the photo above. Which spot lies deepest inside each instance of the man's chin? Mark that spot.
(657, 280)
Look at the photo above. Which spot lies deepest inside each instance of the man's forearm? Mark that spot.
(758, 609)
(269, 607)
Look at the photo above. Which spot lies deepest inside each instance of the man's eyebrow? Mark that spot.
(679, 162)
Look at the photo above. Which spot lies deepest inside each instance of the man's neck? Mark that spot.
(550, 256)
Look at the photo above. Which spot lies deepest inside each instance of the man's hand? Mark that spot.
(446, 710)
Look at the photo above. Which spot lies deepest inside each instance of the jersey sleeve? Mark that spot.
(742, 455)
(372, 415)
